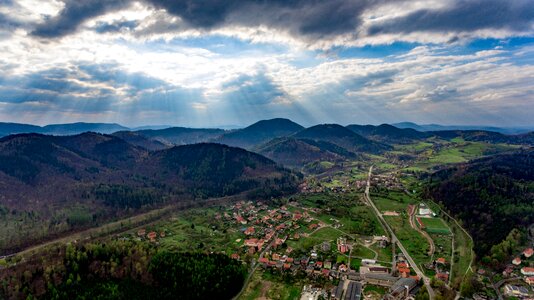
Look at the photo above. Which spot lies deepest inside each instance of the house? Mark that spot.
(234, 256)
(508, 271)
(516, 261)
(141, 232)
(152, 236)
(328, 265)
(241, 220)
(325, 272)
(263, 260)
(251, 242)
(441, 260)
(313, 226)
(515, 291)
(443, 276)
(528, 271)
(404, 272)
(275, 256)
(530, 280)
(343, 268)
(528, 252)
(289, 260)
(249, 231)
(342, 245)
(286, 266)
(401, 265)
(319, 264)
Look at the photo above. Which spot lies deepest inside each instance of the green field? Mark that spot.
(384, 254)
(412, 240)
(263, 284)
(392, 200)
(198, 229)
(362, 252)
(321, 235)
(435, 225)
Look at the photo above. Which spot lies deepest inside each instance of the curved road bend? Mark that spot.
(394, 239)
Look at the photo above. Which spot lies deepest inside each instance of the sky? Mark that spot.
(209, 63)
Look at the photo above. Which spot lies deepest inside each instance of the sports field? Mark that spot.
(435, 225)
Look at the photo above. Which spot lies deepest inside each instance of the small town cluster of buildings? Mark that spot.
(264, 227)
(151, 236)
(523, 263)
(389, 180)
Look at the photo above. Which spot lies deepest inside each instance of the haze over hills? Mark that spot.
(342, 137)
(437, 127)
(60, 129)
(182, 135)
(388, 133)
(259, 132)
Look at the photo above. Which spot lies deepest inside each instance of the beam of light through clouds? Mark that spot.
(212, 63)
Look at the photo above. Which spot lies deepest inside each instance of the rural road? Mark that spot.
(394, 239)
(422, 232)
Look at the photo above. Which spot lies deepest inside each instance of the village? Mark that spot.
(296, 240)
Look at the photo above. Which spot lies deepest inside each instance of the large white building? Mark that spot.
(424, 210)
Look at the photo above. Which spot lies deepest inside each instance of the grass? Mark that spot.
(463, 254)
(435, 225)
(307, 243)
(264, 284)
(443, 246)
(384, 254)
(193, 230)
(412, 240)
(392, 201)
(373, 288)
(362, 252)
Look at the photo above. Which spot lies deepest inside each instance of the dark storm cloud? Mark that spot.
(308, 19)
(74, 14)
(464, 16)
(304, 17)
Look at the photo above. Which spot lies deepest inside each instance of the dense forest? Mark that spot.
(122, 270)
(51, 185)
(491, 196)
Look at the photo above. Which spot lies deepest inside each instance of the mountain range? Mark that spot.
(283, 140)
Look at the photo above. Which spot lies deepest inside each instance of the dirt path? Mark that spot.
(266, 285)
(411, 212)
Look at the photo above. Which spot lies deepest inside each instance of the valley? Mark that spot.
(317, 212)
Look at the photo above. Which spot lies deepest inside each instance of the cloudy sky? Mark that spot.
(214, 63)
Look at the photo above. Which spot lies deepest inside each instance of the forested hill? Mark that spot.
(343, 137)
(491, 196)
(259, 132)
(57, 183)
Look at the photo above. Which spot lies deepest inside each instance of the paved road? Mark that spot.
(254, 266)
(394, 239)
